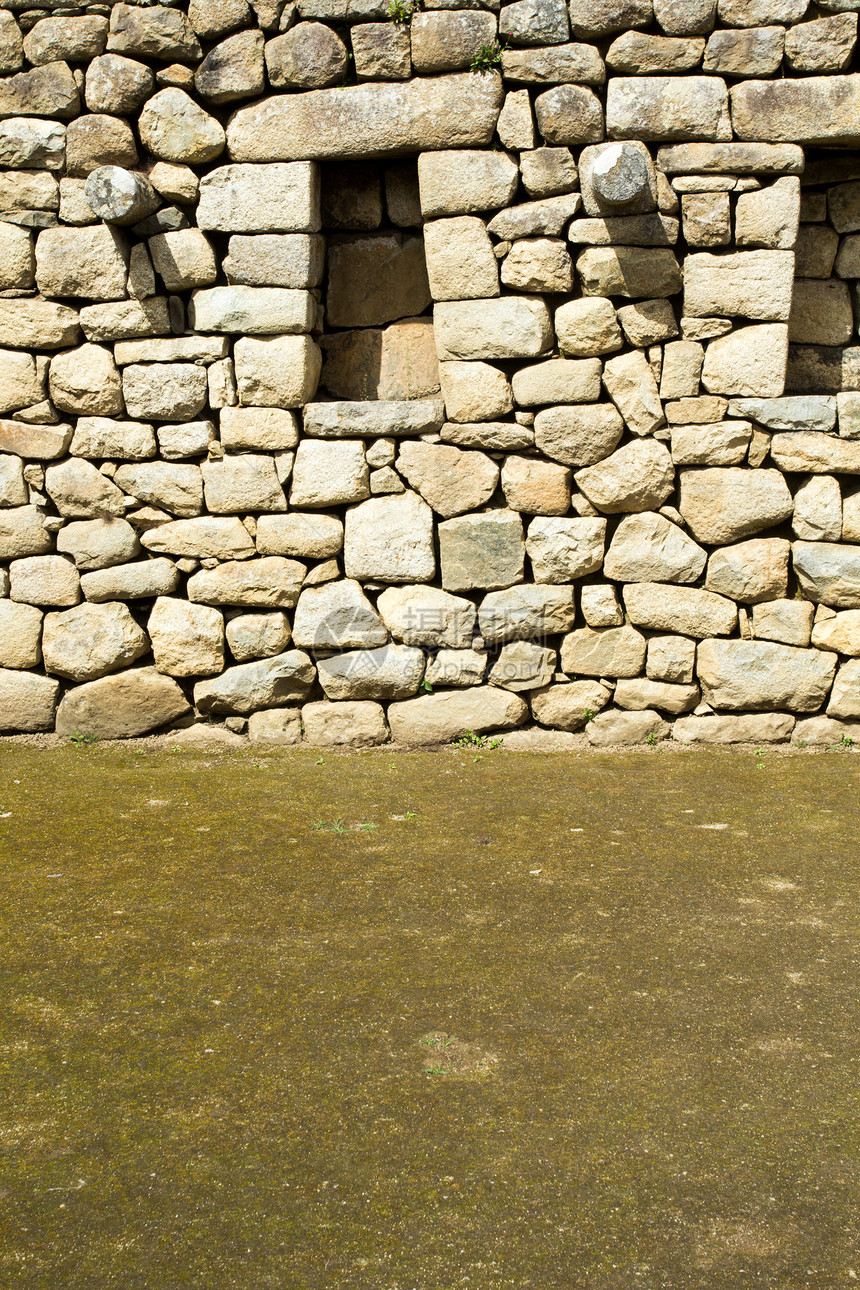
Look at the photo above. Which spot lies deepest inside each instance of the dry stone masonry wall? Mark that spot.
(378, 372)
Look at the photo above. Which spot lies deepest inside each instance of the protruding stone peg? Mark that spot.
(620, 174)
(120, 196)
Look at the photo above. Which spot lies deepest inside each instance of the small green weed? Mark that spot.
(470, 740)
(436, 1070)
(426, 686)
(330, 826)
(401, 11)
(589, 715)
(846, 743)
(487, 57)
(81, 741)
(651, 739)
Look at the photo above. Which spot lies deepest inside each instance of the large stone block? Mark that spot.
(248, 687)
(122, 706)
(752, 571)
(578, 436)
(257, 636)
(639, 476)
(390, 539)
(388, 673)
(80, 492)
(163, 34)
(187, 639)
(828, 572)
(206, 537)
(171, 486)
(737, 675)
(337, 616)
(240, 483)
(569, 707)
(425, 616)
(757, 728)
(808, 452)
(481, 551)
(722, 505)
(378, 119)
(350, 724)
(270, 198)
(37, 324)
(753, 284)
(309, 56)
(606, 651)
(668, 108)
(629, 271)
(278, 371)
(98, 544)
(329, 473)
(91, 263)
(561, 549)
(665, 608)
(397, 362)
(45, 91)
(569, 115)
(440, 718)
(139, 580)
(649, 548)
(445, 41)
(750, 361)
(269, 583)
(87, 642)
(512, 327)
(451, 481)
(527, 612)
(103, 437)
(811, 110)
(456, 183)
(20, 635)
(460, 260)
(27, 701)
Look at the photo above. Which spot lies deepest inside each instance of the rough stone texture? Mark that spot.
(308, 57)
(578, 436)
(723, 505)
(630, 384)
(123, 706)
(249, 687)
(513, 327)
(741, 675)
(137, 581)
(272, 582)
(375, 278)
(282, 726)
(754, 284)
(385, 674)
(750, 571)
(828, 572)
(609, 651)
(664, 108)
(277, 371)
(637, 477)
(750, 361)
(536, 487)
(440, 718)
(452, 481)
(87, 642)
(86, 262)
(693, 612)
(641, 694)
(816, 109)
(353, 725)
(481, 551)
(629, 271)
(845, 695)
(568, 115)
(624, 728)
(760, 728)
(98, 544)
(370, 120)
(187, 639)
(20, 635)
(27, 701)
(649, 548)
(526, 612)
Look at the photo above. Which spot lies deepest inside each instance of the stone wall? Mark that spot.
(372, 374)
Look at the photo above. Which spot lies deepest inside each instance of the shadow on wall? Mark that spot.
(376, 275)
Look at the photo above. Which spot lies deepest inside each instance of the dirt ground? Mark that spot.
(423, 1021)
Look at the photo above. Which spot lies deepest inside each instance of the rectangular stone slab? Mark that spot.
(731, 159)
(376, 119)
(814, 109)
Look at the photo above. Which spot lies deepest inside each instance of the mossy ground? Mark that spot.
(230, 984)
